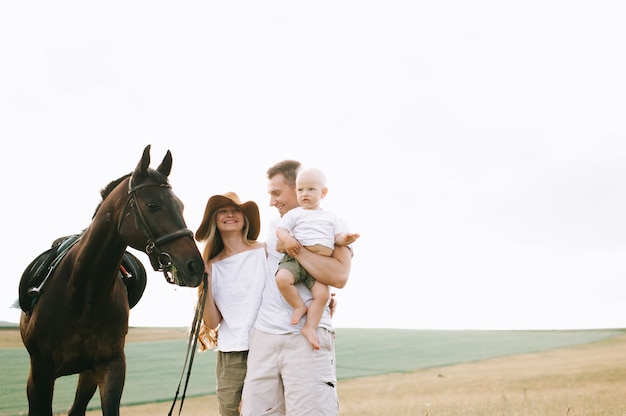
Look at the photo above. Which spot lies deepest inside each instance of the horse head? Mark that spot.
(158, 228)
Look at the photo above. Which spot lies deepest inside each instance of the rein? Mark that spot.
(191, 345)
(152, 245)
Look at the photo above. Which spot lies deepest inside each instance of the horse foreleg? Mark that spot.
(39, 389)
(112, 384)
(87, 384)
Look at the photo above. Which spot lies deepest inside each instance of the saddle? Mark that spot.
(41, 269)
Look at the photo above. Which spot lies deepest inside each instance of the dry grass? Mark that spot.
(587, 380)
(10, 337)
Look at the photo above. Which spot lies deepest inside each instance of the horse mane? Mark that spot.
(104, 192)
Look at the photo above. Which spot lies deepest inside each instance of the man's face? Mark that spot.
(281, 195)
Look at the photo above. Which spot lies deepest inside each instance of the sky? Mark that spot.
(479, 148)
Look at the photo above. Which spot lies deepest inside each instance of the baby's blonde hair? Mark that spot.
(315, 173)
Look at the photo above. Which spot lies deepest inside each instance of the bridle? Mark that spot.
(163, 258)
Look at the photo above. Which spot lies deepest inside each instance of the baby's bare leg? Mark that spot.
(321, 293)
(285, 283)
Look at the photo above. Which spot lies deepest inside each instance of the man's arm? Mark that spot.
(333, 271)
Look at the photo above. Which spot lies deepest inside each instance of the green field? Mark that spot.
(154, 368)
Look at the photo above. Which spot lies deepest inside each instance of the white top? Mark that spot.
(237, 284)
(275, 313)
(312, 226)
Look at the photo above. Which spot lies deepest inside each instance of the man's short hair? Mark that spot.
(288, 168)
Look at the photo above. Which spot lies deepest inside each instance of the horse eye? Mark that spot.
(152, 206)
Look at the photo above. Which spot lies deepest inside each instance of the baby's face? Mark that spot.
(310, 192)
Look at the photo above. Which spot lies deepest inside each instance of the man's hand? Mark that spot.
(332, 305)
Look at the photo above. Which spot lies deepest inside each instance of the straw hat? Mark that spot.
(250, 210)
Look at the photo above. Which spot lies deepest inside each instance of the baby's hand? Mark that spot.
(348, 238)
(292, 247)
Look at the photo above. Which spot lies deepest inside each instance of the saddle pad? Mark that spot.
(132, 273)
(43, 265)
(136, 282)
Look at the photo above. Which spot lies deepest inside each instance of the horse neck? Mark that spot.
(101, 242)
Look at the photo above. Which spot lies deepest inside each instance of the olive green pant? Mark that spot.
(230, 371)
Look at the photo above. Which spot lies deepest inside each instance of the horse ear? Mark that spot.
(142, 166)
(166, 165)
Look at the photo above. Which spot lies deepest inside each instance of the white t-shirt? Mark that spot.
(237, 284)
(275, 313)
(312, 226)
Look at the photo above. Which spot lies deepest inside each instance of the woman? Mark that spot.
(237, 267)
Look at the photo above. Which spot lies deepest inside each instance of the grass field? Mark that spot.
(416, 371)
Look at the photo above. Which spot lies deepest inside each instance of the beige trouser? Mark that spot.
(286, 376)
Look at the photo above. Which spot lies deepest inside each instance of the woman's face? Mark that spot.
(229, 218)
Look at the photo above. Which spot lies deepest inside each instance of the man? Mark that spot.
(285, 374)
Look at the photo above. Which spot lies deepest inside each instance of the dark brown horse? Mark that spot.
(80, 320)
